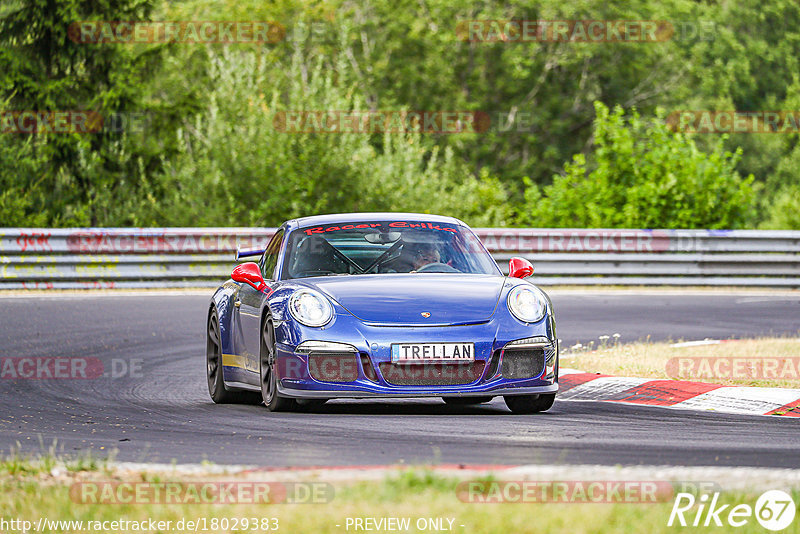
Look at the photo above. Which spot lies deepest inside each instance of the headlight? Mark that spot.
(310, 307)
(527, 303)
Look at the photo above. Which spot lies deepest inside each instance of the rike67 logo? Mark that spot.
(774, 510)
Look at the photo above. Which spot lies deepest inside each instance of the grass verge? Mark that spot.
(765, 362)
(427, 499)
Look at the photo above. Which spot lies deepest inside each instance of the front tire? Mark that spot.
(526, 404)
(267, 370)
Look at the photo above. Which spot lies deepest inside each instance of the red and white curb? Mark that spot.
(577, 385)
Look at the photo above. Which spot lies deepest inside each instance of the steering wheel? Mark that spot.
(437, 267)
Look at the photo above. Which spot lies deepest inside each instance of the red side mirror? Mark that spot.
(250, 274)
(519, 268)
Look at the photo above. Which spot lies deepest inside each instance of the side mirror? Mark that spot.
(250, 274)
(519, 268)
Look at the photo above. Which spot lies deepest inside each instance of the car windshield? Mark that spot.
(385, 247)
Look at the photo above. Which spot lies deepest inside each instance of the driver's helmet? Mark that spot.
(423, 251)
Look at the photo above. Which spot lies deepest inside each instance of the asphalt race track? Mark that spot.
(162, 412)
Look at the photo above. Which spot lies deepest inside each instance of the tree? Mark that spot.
(236, 167)
(43, 70)
(640, 174)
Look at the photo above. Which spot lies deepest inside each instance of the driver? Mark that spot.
(423, 254)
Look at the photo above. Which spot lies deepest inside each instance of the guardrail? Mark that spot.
(203, 257)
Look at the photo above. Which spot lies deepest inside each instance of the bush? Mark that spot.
(784, 210)
(18, 202)
(642, 175)
(235, 168)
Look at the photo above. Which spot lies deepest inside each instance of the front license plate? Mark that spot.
(432, 352)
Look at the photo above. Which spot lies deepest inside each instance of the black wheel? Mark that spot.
(216, 386)
(465, 401)
(530, 403)
(268, 373)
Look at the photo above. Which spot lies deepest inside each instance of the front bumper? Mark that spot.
(406, 392)
(372, 357)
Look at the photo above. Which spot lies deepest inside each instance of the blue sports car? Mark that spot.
(372, 305)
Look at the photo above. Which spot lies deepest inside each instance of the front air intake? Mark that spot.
(523, 363)
(333, 366)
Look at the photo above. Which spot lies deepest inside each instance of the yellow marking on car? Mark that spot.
(234, 360)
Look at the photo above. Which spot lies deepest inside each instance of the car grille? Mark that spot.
(333, 366)
(522, 363)
(431, 374)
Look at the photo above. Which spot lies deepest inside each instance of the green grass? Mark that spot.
(661, 361)
(415, 493)
(15, 464)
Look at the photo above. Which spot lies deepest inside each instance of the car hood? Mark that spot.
(401, 299)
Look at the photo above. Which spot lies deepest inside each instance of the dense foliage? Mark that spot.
(644, 176)
(577, 134)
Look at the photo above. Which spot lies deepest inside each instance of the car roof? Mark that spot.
(365, 217)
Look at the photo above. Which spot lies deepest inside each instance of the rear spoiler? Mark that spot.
(248, 252)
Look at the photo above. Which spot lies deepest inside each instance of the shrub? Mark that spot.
(640, 174)
(235, 168)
